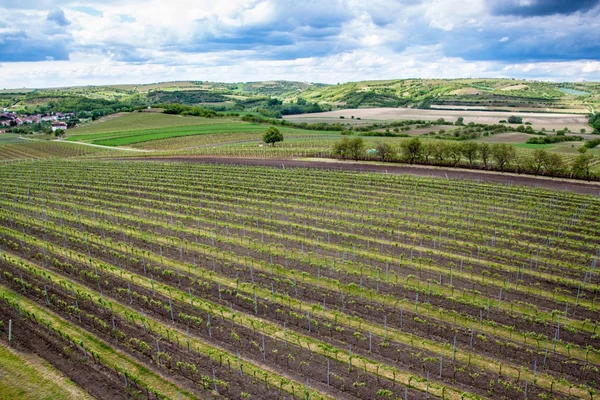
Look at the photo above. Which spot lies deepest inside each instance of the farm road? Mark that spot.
(591, 188)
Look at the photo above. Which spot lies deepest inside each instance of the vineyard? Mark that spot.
(25, 149)
(140, 128)
(154, 280)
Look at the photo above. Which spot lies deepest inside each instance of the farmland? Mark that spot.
(147, 127)
(177, 280)
(19, 149)
(548, 121)
(26, 376)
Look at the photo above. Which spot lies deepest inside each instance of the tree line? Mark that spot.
(496, 157)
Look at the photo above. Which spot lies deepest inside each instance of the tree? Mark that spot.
(484, 153)
(427, 151)
(340, 149)
(349, 148)
(594, 122)
(385, 151)
(272, 136)
(412, 149)
(538, 160)
(513, 119)
(440, 151)
(503, 154)
(356, 148)
(582, 164)
(459, 121)
(469, 150)
(454, 151)
(554, 164)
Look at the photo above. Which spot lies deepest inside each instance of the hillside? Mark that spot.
(490, 93)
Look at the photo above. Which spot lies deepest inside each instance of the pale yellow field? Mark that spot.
(538, 120)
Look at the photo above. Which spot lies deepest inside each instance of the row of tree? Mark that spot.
(497, 156)
(595, 122)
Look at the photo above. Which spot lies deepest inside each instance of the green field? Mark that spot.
(192, 280)
(137, 121)
(26, 376)
(9, 138)
(146, 127)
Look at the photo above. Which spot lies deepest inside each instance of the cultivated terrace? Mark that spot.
(177, 280)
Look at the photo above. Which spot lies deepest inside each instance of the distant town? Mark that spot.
(51, 122)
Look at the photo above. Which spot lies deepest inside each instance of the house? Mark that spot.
(59, 125)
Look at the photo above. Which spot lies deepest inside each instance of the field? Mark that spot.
(15, 149)
(148, 127)
(27, 376)
(538, 120)
(176, 280)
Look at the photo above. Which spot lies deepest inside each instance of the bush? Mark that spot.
(513, 119)
(592, 143)
(554, 139)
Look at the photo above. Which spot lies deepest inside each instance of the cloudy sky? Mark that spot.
(49, 43)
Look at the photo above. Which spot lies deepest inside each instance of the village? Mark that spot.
(54, 121)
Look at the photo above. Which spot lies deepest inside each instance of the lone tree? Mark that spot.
(272, 136)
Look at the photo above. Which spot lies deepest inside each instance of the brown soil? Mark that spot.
(95, 378)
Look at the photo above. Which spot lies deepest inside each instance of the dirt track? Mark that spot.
(592, 188)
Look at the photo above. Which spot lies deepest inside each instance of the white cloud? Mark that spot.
(312, 40)
(450, 14)
(424, 62)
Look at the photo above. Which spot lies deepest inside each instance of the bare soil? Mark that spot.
(550, 121)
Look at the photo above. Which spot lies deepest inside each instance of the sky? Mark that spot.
(51, 43)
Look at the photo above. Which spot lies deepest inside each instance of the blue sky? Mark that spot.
(50, 43)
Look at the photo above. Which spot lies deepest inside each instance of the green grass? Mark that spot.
(24, 376)
(532, 146)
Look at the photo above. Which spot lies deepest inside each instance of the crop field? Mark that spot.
(311, 145)
(574, 122)
(27, 376)
(147, 127)
(180, 281)
(194, 143)
(33, 149)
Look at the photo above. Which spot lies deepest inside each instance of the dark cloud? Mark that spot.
(540, 7)
(524, 44)
(292, 34)
(58, 16)
(19, 47)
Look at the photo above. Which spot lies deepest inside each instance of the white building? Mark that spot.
(59, 125)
